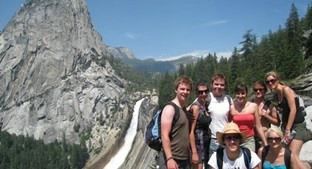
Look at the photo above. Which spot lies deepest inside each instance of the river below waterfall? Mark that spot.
(121, 155)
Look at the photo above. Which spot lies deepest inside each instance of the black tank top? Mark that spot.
(299, 118)
(203, 120)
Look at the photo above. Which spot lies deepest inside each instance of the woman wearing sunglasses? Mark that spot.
(293, 116)
(267, 110)
(200, 132)
(274, 156)
(246, 115)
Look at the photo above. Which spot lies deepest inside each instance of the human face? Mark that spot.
(274, 139)
(218, 87)
(202, 93)
(183, 92)
(231, 142)
(259, 91)
(241, 96)
(271, 82)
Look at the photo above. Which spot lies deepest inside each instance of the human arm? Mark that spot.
(271, 115)
(166, 124)
(260, 156)
(258, 123)
(194, 156)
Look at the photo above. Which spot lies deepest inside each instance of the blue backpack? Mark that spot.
(153, 130)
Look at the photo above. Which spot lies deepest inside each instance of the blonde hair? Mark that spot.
(275, 75)
(275, 129)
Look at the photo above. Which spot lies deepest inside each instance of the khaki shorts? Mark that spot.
(302, 133)
(250, 143)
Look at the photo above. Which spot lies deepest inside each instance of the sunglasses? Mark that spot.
(230, 138)
(277, 139)
(202, 91)
(272, 81)
(256, 90)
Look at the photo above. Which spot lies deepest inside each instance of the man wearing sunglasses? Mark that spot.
(233, 155)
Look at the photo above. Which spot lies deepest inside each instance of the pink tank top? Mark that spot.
(246, 123)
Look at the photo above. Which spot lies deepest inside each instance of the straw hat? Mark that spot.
(230, 128)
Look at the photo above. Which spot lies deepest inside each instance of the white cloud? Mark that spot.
(220, 22)
(131, 35)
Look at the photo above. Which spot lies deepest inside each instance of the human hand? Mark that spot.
(263, 112)
(195, 159)
(287, 138)
(171, 164)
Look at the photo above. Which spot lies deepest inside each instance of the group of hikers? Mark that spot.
(216, 131)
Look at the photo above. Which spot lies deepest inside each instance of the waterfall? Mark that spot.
(120, 157)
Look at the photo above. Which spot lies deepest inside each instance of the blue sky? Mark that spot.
(167, 28)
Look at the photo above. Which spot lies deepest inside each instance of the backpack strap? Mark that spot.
(265, 151)
(247, 156)
(175, 118)
(246, 153)
(220, 157)
(176, 112)
(287, 157)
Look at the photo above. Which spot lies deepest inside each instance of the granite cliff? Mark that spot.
(54, 82)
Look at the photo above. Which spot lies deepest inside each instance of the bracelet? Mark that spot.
(169, 159)
(287, 131)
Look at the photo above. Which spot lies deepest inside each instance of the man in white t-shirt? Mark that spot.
(219, 109)
(233, 155)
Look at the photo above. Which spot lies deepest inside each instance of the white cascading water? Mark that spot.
(120, 157)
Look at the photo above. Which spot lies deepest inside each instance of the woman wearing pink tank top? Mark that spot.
(246, 115)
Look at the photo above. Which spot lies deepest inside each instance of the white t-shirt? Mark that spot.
(219, 110)
(239, 163)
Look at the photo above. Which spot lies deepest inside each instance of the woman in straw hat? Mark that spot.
(233, 155)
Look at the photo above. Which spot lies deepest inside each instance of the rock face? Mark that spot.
(53, 80)
(122, 53)
(303, 87)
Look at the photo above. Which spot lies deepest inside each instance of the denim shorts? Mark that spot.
(214, 145)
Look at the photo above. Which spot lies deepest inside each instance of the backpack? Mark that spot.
(287, 156)
(153, 130)
(246, 153)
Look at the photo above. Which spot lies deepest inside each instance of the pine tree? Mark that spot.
(293, 59)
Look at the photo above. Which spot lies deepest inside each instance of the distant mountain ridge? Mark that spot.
(151, 65)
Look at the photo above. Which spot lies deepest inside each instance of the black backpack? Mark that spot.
(153, 129)
(246, 153)
(287, 156)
